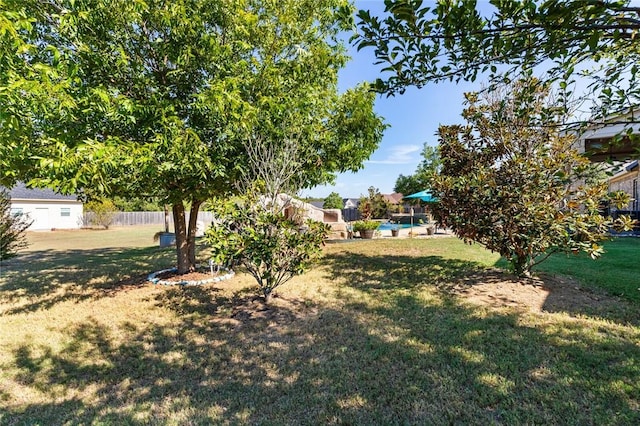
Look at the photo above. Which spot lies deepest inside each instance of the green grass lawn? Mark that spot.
(115, 237)
(617, 271)
(374, 334)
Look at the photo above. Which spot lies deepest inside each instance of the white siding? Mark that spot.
(47, 214)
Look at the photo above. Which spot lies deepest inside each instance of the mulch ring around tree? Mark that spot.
(198, 277)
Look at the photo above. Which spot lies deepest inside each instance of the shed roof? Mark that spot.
(21, 192)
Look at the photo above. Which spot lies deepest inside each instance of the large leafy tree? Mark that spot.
(333, 201)
(419, 43)
(421, 179)
(27, 89)
(512, 182)
(160, 99)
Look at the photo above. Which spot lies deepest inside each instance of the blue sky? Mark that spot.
(413, 118)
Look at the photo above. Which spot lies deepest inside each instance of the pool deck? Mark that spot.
(418, 232)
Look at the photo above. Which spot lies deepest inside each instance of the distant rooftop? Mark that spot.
(318, 204)
(394, 198)
(21, 192)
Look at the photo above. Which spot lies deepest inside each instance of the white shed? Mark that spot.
(48, 209)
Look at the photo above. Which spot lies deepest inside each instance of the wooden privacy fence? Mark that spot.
(157, 218)
(146, 218)
(350, 215)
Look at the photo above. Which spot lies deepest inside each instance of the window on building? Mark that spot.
(602, 149)
(65, 212)
(16, 211)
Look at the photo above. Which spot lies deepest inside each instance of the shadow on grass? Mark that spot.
(398, 349)
(449, 276)
(393, 272)
(288, 364)
(571, 294)
(42, 279)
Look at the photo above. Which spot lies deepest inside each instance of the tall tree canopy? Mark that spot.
(333, 201)
(421, 179)
(456, 40)
(162, 98)
(513, 183)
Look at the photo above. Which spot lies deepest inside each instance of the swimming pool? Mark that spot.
(389, 226)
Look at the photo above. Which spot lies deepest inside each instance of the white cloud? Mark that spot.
(400, 154)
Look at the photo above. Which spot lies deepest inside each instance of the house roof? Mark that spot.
(21, 192)
(394, 198)
(631, 166)
(620, 170)
(611, 130)
(318, 204)
(353, 200)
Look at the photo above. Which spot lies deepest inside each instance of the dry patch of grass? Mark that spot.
(380, 332)
(543, 293)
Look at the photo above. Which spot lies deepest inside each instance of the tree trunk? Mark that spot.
(182, 243)
(186, 236)
(193, 225)
(521, 266)
(166, 219)
(266, 295)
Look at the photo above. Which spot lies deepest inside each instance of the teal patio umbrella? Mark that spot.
(423, 196)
